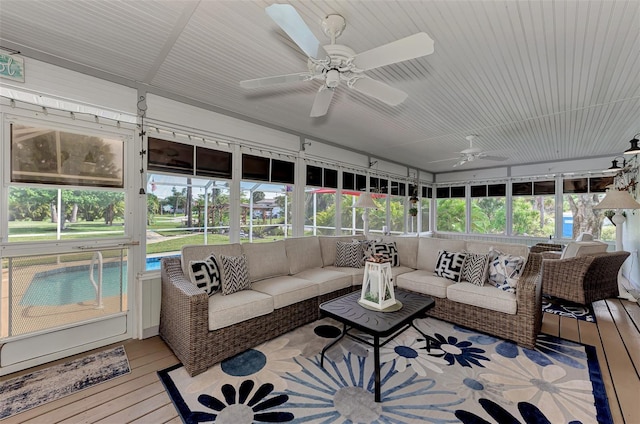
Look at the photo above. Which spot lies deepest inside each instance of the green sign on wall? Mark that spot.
(12, 67)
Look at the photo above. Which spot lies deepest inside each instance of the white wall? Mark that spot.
(197, 119)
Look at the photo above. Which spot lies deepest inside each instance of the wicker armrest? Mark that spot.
(183, 312)
(528, 292)
(561, 271)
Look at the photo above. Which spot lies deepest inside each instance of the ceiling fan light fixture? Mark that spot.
(332, 78)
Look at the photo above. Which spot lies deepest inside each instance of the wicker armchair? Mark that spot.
(582, 279)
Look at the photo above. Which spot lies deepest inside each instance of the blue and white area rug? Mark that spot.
(33, 389)
(565, 308)
(466, 377)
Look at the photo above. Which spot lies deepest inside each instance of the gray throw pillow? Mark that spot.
(474, 269)
(349, 254)
(235, 274)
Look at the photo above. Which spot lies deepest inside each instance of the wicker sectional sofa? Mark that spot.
(290, 278)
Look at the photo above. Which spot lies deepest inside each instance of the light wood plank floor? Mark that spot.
(139, 397)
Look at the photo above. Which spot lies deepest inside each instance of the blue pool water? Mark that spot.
(72, 284)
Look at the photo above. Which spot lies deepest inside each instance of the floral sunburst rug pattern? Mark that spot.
(465, 377)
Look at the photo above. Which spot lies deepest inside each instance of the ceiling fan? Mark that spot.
(334, 63)
(471, 154)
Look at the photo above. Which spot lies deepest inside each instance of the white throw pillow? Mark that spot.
(504, 271)
(449, 265)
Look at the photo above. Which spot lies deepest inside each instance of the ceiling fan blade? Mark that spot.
(321, 102)
(379, 90)
(280, 79)
(292, 23)
(413, 46)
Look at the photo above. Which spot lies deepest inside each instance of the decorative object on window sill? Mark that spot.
(618, 200)
(377, 286)
(365, 201)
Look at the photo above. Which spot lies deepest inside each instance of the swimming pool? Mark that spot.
(71, 284)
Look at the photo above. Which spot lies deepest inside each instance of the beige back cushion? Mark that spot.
(582, 248)
(266, 259)
(303, 253)
(407, 249)
(198, 252)
(508, 248)
(328, 247)
(428, 251)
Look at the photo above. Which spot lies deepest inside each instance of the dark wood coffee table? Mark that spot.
(382, 326)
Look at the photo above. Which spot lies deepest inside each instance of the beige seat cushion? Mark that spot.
(198, 252)
(328, 247)
(428, 249)
(487, 297)
(355, 273)
(424, 282)
(303, 253)
(266, 260)
(328, 280)
(237, 307)
(399, 270)
(286, 290)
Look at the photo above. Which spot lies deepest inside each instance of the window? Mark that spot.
(351, 219)
(265, 204)
(579, 197)
(397, 202)
(50, 156)
(255, 168)
(185, 210)
(320, 201)
(63, 185)
(170, 156)
(488, 209)
(83, 197)
(533, 208)
(451, 209)
(378, 217)
(260, 168)
(425, 204)
(266, 212)
(37, 214)
(213, 163)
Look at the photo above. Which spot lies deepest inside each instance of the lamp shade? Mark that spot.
(617, 199)
(365, 201)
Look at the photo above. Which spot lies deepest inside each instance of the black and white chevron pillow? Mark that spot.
(475, 268)
(235, 274)
(449, 265)
(206, 274)
(349, 254)
(389, 252)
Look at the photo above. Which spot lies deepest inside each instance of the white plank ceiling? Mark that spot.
(535, 80)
